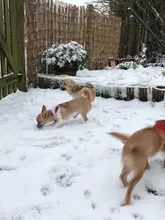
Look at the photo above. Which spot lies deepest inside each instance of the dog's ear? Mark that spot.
(44, 108)
(77, 87)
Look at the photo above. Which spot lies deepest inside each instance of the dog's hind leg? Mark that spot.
(123, 176)
(132, 183)
(84, 116)
(148, 166)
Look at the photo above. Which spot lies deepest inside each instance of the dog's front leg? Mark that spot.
(75, 116)
(59, 123)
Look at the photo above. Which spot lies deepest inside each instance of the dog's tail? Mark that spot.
(122, 137)
(85, 92)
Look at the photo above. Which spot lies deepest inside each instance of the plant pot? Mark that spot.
(66, 71)
(51, 69)
(158, 94)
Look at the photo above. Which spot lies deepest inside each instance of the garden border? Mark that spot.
(155, 93)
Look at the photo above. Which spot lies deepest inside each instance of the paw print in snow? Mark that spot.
(87, 193)
(64, 176)
(138, 216)
(45, 190)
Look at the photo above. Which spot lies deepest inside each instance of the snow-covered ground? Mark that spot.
(72, 173)
(139, 77)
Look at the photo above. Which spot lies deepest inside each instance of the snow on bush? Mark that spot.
(65, 55)
(127, 65)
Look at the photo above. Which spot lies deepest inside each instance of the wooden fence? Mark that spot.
(47, 24)
(11, 47)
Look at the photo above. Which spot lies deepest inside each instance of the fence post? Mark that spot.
(20, 48)
(89, 34)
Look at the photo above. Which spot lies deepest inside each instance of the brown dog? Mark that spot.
(137, 149)
(75, 90)
(66, 110)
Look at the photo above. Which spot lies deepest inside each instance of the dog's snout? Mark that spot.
(39, 125)
(61, 85)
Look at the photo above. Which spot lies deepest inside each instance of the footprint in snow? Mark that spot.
(138, 216)
(115, 210)
(45, 190)
(66, 156)
(64, 176)
(93, 205)
(116, 125)
(87, 193)
(23, 157)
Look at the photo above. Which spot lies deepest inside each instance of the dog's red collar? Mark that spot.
(160, 126)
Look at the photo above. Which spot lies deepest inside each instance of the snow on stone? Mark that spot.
(138, 77)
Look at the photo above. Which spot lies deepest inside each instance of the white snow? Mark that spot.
(72, 173)
(64, 54)
(74, 2)
(139, 77)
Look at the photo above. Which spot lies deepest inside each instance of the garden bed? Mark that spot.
(128, 92)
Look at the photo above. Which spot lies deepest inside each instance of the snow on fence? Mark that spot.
(47, 23)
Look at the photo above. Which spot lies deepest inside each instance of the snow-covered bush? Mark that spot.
(127, 65)
(65, 56)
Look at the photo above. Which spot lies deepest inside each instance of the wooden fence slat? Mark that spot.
(20, 46)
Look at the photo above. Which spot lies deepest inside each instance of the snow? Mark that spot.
(139, 77)
(72, 173)
(64, 54)
(74, 2)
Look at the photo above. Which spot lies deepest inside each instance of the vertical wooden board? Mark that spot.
(143, 94)
(44, 33)
(84, 26)
(5, 91)
(62, 26)
(69, 24)
(2, 57)
(2, 60)
(10, 89)
(48, 23)
(76, 26)
(130, 94)
(81, 25)
(54, 23)
(51, 23)
(66, 24)
(59, 24)
(20, 45)
(15, 86)
(89, 43)
(7, 30)
(0, 94)
(1, 17)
